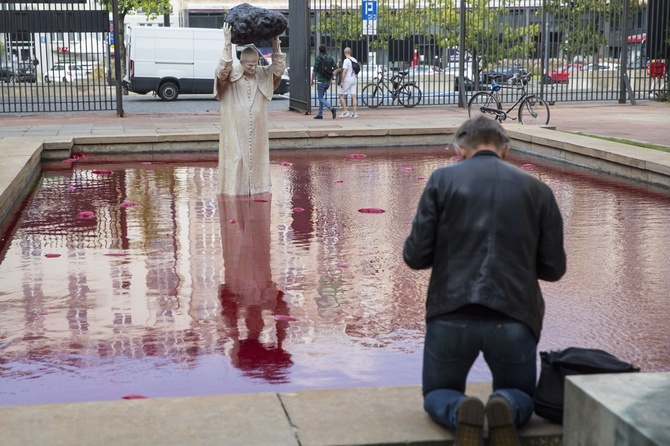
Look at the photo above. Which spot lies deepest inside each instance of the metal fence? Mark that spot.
(55, 57)
(591, 50)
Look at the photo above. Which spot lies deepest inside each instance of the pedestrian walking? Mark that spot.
(349, 85)
(324, 69)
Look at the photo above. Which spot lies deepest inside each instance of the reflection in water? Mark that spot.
(249, 292)
(172, 298)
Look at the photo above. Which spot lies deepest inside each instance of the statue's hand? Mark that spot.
(226, 32)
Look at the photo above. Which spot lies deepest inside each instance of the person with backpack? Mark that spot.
(349, 84)
(324, 67)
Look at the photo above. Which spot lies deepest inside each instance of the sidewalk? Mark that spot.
(648, 121)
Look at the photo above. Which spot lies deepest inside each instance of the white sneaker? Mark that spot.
(355, 115)
(344, 115)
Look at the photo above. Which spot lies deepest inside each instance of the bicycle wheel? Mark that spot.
(480, 102)
(372, 95)
(409, 95)
(534, 111)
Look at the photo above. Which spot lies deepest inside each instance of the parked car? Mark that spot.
(502, 74)
(284, 84)
(562, 74)
(8, 75)
(423, 70)
(65, 73)
(26, 73)
(602, 66)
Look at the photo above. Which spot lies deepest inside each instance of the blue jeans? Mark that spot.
(321, 88)
(451, 348)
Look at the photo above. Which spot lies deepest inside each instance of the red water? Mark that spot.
(160, 289)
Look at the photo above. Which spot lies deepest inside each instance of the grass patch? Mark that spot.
(626, 141)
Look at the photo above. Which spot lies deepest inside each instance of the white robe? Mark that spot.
(244, 147)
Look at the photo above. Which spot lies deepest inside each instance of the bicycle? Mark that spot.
(533, 110)
(407, 93)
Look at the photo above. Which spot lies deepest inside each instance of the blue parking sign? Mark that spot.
(369, 9)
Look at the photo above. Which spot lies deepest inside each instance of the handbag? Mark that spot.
(556, 365)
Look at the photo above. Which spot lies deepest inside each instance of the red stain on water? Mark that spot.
(338, 181)
(134, 397)
(129, 204)
(102, 172)
(285, 164)
(371, 211)
(355, 156)
(260, 200)
(86, 215)
(51, 255)
(298, 209)
(405, 169)
(528, 166)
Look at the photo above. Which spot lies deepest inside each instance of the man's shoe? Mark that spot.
(344, 115)
(355, 115)
(318, 117)
(332, 110)
(470, 423)
(502, 430)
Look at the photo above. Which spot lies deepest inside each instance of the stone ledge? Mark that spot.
(626, 408)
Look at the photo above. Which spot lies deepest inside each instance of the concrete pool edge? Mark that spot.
(345, 417)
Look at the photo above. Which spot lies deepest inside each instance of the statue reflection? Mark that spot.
(249, 297)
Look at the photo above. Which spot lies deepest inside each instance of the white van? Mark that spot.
(170, 61)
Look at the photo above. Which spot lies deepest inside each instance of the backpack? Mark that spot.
(556, 365)
(356, 67)
(327, 67)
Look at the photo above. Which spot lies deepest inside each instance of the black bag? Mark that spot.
(556, 365)
(356, 67)
(327, 67)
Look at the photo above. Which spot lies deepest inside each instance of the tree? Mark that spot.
(583, 23)
(152, 9)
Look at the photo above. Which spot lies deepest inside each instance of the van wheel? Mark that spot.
(168, 91)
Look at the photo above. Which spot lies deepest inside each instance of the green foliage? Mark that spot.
(582, 22)
(487, 35)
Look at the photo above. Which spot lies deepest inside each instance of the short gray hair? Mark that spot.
(481, 131)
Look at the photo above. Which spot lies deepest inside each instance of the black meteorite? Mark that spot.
(250, 24)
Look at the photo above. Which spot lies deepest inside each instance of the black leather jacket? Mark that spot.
(489, 230)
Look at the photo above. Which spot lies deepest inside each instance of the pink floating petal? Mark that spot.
(557, 181)
(71, 188)
(69, 160)
(260, 200)
(339, 181)
(285, 164)
(42, 313)
(421, 178)
(283, 317)
(51, 255)
(233, 221)
(129, 204)
(102, 172)
(115, 254)
(405, 169)
(298, 209)
(134, 397)
(371, 211)
(150, 171)
(86, 215)
(146, 162)
(342, 265)
(528, 166)
(355, 156)
(457, 157)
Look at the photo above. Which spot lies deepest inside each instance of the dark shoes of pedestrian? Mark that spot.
(318, 117)
(502, 430)
(470, 423)
(332, 110)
